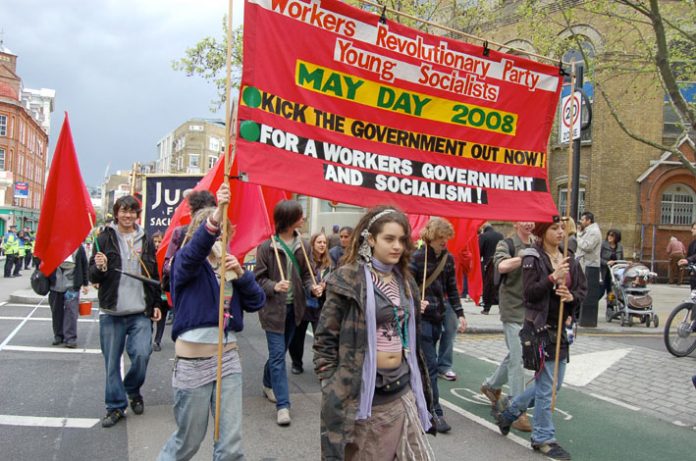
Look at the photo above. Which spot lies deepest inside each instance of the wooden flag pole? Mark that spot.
(274, 244)
(561, 317)
(304, 252)
(91, 224)
(425, 270)
(225, 236)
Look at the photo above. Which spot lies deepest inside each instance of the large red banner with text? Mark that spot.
(338, 105)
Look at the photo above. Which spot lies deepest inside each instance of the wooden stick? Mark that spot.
(304, 252)
(91, 224)
(274, 244)
(225, 236)
(561, 319)
(425, 270)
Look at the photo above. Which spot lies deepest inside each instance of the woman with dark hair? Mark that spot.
(548, 278)
(284, 276)
(611, 251)
(375, 386)
(164, 306)
(321, 267)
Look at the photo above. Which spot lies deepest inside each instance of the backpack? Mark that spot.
(498, 278)
(40, 283)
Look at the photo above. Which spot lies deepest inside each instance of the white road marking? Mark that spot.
(46, 319)
(44, 421)
(615, 402)
(3, 303)
(487, 424)
(19, 327)
(587, 367)
(63, 350)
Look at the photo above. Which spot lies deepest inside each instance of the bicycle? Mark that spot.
(680, 329)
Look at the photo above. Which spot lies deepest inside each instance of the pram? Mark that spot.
(630, 298)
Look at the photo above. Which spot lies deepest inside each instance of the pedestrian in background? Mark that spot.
(195, 286)
(21, 253)
(589, 256)
(548, 278)
(285, 299)
(321, 267)
(334, 239)
(164, 304)
(508, 262)
(442, 295)
(691, 256)
(337, 252)
(10, 247)
(572, 232)
(676, 251)
(488, 240)
(64, 296)
(375, 386)
(28, 247)
(611, 251)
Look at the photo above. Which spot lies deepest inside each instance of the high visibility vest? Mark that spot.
(10, 244)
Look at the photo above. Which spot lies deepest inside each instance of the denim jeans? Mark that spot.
(543, 429)
(134, 333)
(446, 347)
(274, 371)
(430, 334)
(510, 369)
(192, 408)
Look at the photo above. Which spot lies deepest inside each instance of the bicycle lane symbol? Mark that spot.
(471, 396)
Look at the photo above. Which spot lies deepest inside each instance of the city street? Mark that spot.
(624, 397)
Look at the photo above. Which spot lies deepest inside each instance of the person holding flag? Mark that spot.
(122, 261)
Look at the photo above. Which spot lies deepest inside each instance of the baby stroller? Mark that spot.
(630, 298)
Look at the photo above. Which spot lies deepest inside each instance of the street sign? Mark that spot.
(570, 115)
(21, 190)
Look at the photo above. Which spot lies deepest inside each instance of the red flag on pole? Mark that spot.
(67, 213)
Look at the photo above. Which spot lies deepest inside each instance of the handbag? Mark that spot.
(532, 348)
(40, 283)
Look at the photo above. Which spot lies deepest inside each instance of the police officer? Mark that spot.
(10, 244)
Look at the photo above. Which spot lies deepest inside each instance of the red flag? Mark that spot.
(466, 238)
(66, 209)
(247, 211)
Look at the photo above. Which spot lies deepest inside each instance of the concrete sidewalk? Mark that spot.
(665, 298)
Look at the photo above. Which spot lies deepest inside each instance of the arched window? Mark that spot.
(678, 205)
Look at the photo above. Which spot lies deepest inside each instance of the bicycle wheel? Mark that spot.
(680, 338)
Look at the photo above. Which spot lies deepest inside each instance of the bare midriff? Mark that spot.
(190, 350)
(388, 360)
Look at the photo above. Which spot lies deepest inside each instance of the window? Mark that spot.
(563, 201)
(3, 125)
(677, 206)
(194, 160)
(212, 160)
(2, 159)
(214, 144)
(196, 128)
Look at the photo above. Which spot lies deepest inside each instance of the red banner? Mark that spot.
(337, 105)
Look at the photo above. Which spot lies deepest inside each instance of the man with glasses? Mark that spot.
(127, 306)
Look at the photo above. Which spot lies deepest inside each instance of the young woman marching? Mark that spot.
(321, 267)
(375, 386)
(548, 278)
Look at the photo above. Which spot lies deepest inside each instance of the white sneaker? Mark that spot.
(283, 417)
(268, 392)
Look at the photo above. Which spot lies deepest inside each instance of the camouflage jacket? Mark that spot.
(340, 344)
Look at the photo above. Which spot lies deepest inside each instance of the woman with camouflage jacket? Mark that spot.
(368, 330)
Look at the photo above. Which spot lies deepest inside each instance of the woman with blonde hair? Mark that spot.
(571, 230)
(375, 388)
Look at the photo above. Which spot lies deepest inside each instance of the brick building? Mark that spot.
(24, 128)
(193, 147)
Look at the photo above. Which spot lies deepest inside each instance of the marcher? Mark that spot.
(10, 246)
(127, 306)
(337, 252)
(691, 256)
(588, 254)
(195, 290)
(164, 304)
(676, 251)
(284, 286)
(548, 278)
(510, 370)
(442, 295)
(334, 239)
(611, 251)
(488, 240)
(321, 266)
(64, 297)
(375, 388)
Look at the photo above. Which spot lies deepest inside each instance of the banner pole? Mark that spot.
(561, 319)
(91, 224)
(425, 270)
(304, 252)
(225, 236)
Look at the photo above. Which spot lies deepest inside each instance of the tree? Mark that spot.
(649, 38)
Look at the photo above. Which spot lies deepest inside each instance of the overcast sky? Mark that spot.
(110, 64)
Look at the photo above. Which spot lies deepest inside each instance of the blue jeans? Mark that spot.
(446, 348)
(543, 429)
(430, 334)
(192, 408)
(274, 372)
(510, 369)
(134, 333)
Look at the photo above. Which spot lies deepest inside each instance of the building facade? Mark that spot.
(24, 128)
(193, 147)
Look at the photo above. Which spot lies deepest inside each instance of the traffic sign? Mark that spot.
(570, 115)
